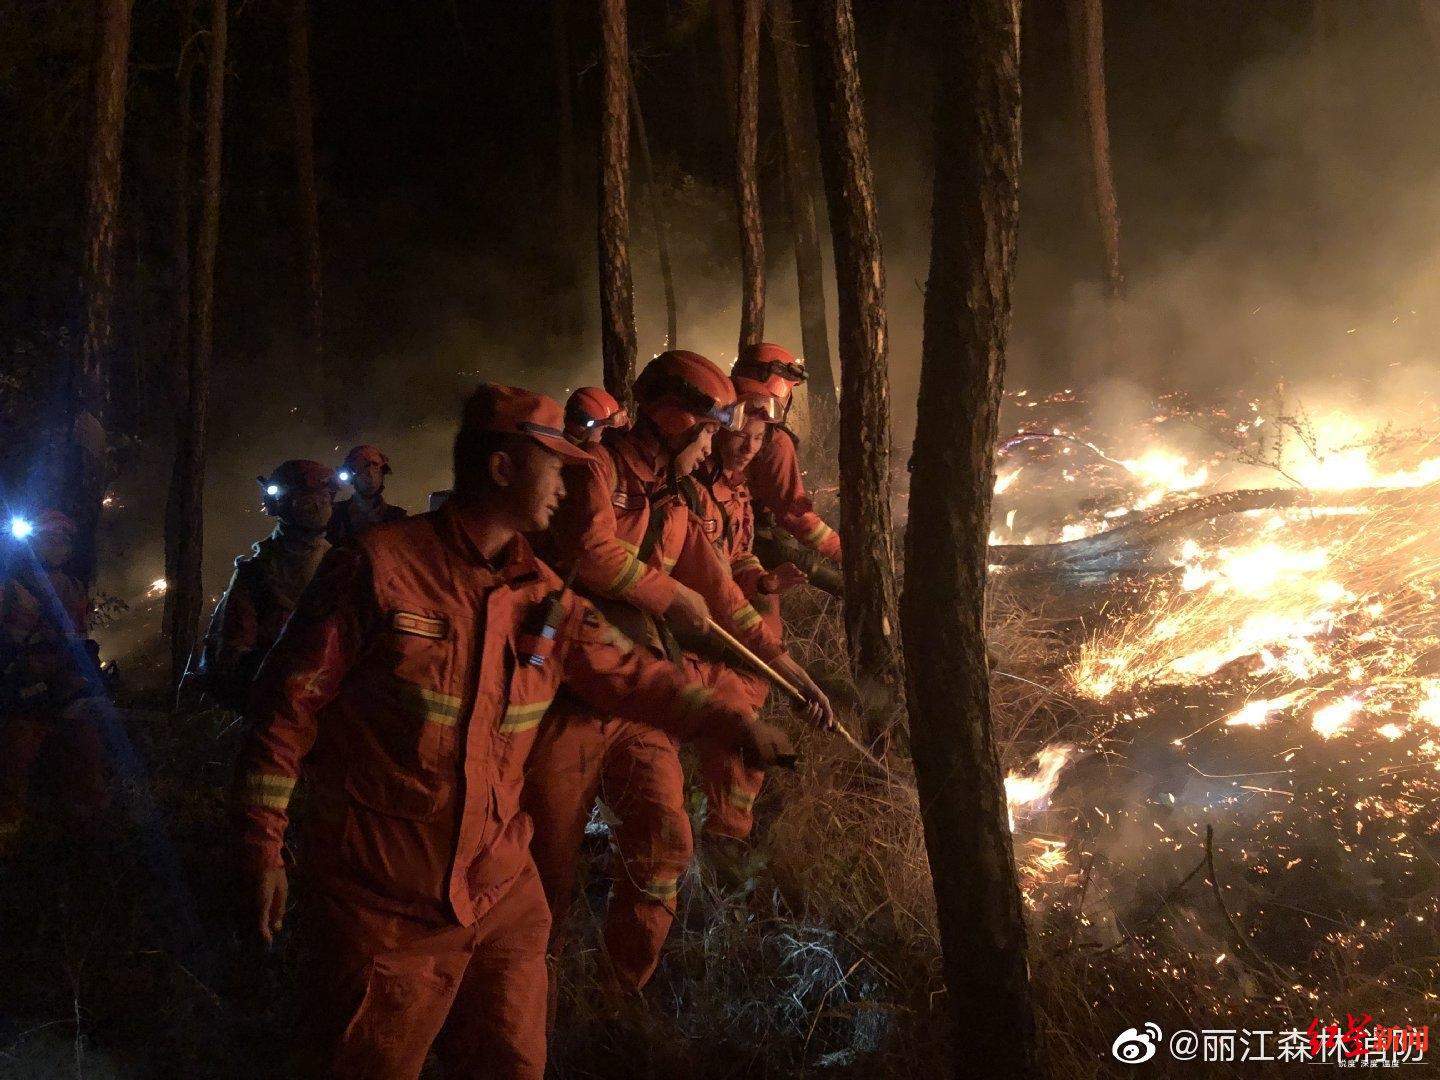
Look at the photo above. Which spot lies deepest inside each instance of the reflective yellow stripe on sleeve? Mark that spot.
(520, 718)
(663, 889)
(270, 790)
(745, 618)
(817, 536)
(630, 572)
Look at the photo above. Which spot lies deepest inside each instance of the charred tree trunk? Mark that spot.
(86, 453)
(801, 184)
(617, 288)
(307, 201)
(572, 307)
(729, 48)
(188, 479)
(180, 332)
(747, 183)
(863, 341)
(976, 209)
(657, 215)
(1086, 19)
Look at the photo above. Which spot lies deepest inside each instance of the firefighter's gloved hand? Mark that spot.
(763, 745)
(817, 708)
(785, 576)
(688, 611)
(272, 889)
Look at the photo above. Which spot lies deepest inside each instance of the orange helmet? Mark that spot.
(591, 407)
(760, 400)
(679, 389)
(777, 368)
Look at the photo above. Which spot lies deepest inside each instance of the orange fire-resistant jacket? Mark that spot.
(602, 525)
(728, 518)
(776, 486)
(403, 669)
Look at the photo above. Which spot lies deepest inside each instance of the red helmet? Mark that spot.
(289, 476)
(760, 400)
(779, 369)
(679, 389)
(591, 407)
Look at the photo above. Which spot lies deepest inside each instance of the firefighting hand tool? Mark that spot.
(790, 691)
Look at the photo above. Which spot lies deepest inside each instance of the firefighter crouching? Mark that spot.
(49, 684)
(728, 515)
(410, 686)
(627, 533)
(365, 469)
(787, 527)
(267, 583)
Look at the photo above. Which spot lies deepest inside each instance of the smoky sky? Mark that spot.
(1275, 162)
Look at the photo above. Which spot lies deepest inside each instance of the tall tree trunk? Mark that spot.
(572, 305)
(657, 215)
(180, 331)
(801, 183)
(864, 345)
(188, 479)
(747, 183)
(976, 208)
(617, 288)
(729, 47)
(1086, 20)
(307, 201)
(86, 455)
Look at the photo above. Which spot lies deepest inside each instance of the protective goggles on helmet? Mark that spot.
(792, 372)
(767, 408)
(696, 402)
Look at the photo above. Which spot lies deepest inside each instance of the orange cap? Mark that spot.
(515, 411)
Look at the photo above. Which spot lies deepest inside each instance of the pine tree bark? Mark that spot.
(188, 477)
(747, 182)
(657, 216)
(801, 184)
(617, 287)
(180, 282)
(307, 200)
(1086, 20)
(967, 318)
(86, 455)
(864, 345)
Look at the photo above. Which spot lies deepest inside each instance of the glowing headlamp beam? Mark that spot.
(21, 528)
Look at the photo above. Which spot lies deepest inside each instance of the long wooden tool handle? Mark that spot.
(791, 691)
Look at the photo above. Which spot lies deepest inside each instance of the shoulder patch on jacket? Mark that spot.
(408, 622)
(625, 500)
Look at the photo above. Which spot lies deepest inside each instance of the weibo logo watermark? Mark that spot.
(1133, 1046)
(1359, 1043)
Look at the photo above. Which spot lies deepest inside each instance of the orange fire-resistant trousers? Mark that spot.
(731, 787)
(387, 987)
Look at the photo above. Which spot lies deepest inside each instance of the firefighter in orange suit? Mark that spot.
(590, 412)
(410, 686)
(48, 679)
(365, 468)
(728, 515)
(627, 534)
(263, 592)
(775, 482)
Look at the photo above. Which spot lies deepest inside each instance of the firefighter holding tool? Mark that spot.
(409, 689)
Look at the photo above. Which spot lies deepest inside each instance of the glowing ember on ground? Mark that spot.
(157, 587)
(1334, 719)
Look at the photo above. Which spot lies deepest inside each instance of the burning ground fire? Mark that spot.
(1274, 672)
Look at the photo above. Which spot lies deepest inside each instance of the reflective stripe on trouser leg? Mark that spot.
(731, 788)
(642, 782)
